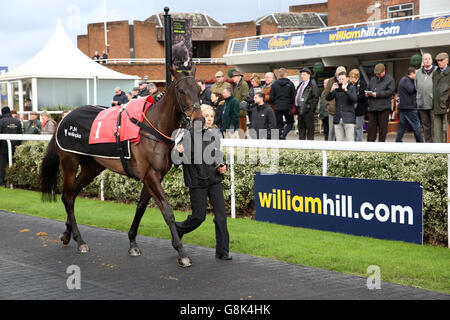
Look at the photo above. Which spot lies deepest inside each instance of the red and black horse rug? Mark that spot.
(103, 132)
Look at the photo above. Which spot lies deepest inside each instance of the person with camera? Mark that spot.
(204, 179)
(344, 115)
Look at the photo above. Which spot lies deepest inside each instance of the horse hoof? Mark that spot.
(134, 252)
(65, 239)
(83, 248)
(184, 262)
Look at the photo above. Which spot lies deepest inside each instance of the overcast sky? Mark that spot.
(27, 25)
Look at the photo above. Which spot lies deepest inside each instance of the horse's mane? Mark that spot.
(184, 72)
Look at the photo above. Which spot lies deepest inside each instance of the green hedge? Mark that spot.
(429, 170)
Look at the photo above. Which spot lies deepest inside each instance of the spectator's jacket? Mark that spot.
(263, 117)
(219, 86)
(49, 127)
(121, 98)
(230, 114)
(330, 104)
(241, 90)
(363, 103)
(266, 90)
(9, 125)
(441, 85)
(407, 94)
(205, 96)
(32, 127)
(204, 174)
(282, 94)
(384, 88)
(424, 87)
(345, 104)
(310, 98)
(218, 108)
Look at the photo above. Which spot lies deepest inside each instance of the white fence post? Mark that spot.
(233, 196)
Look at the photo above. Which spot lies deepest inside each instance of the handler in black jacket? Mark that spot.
(8, 125)
(203, 169)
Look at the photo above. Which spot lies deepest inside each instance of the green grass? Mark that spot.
(425, 266)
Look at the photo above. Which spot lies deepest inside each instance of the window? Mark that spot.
(401, 10)
(201, 49)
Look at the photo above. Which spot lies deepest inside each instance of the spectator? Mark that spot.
(362, 105)
(344, 118)
(28, 106)
(129, 96)
(381, 89)
(205, 181)
(8, 125)
(205, 93)
(120, 97)
(282, 95)
(306, 101)
(230, 114)
(407, 107)
(241, 87)
(217, 102)
(48, 124)
(255, 81)
(96, 57)
(143, 89)
(153, 91)
(14, 114)
(441, 80)
(135, 92)
(32, 126)
(268, 81)
(263, 118)
(331, 104)
(323, 112)
(220, 83)
(104, 57)
(65, 113)
(424, 87)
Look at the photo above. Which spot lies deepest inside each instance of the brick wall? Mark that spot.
(146, 44)
(342, 12)
(314, 7)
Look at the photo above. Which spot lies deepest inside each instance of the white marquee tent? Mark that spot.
(61, 74)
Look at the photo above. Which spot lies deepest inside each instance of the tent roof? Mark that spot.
(60, 58)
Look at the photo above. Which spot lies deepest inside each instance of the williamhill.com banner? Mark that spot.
(380, 209)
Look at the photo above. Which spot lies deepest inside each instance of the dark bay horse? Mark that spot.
(150, 162)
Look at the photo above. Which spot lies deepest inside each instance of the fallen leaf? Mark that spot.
(41, 234)
(24, 230)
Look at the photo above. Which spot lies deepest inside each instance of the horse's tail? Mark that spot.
(49, 172)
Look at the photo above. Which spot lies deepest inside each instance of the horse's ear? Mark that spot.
(194, 68)
(173, 70)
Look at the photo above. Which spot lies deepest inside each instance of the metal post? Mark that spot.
(168, 44)
(324, 163)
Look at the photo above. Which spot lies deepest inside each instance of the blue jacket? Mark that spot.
(407, 94)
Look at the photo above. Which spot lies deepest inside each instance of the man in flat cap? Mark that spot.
(220, 83)
(380, 91)
(143, 89)
(441, 80)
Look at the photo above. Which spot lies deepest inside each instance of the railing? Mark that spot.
(158, 61)
(323, 146)
(251, 44)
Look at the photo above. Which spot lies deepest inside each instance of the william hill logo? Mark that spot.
(440, 23)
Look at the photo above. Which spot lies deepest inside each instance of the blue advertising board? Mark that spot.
(399, 28)
(374, 208)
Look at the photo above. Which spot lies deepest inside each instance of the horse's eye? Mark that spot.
(181, 91)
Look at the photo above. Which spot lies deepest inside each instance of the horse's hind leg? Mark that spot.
(142, 205)
(72, 187)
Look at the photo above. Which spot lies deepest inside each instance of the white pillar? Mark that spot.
(10, 94)
(20, 87)
(34, 90)
(88, 92)
(95, 90)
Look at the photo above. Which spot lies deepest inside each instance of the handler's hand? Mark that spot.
(222, 170)
(180, 148)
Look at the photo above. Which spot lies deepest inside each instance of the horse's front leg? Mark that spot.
(142, 205)
(153, 182)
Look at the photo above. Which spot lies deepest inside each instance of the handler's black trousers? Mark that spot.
(3, 164)
(199, 199)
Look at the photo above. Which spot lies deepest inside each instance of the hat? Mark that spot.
(143, 82)
(441, 56)
(340, 69)
(236, 73)
(307, 70)
(6, 110)
(379, 68)
(219, 74)
(34, 113)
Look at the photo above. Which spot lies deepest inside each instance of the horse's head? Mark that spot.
(187, 93)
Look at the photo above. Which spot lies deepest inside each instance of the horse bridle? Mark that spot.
(186, 118)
